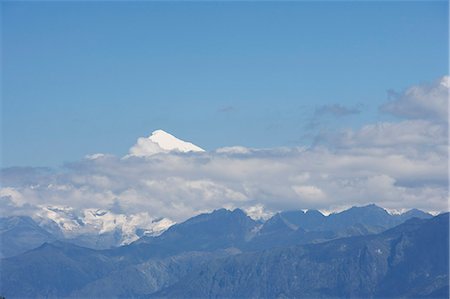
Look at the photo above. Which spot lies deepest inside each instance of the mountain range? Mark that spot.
(361, 252)
(92, 228)
(410, 260)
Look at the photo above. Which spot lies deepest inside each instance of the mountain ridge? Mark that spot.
(295, 222)
(279, 272)
(208, 242)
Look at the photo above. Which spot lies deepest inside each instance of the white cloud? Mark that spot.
(416, 133)
(233, 150)
(95, 156)
(12, 196)
(421, 101)
(179, 186)
(309, 193)
(258, 212)
(145, 147)
(398, 165)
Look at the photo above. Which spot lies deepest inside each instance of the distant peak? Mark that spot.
(160, 132)
(238, 211)
(416, 212)
(313, 212)
(161, 142)
(219, 211)
(222, 211)
(371, 206)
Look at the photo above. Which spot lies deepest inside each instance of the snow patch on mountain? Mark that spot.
(74, 223)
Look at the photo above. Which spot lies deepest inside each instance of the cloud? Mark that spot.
(233, 150)
(145, 147)
(406, 134)
(309, 193)
(180, 185)
(397, 165)
(258, 212)
(226, 109)
(336, 110)
(420, 101)
(329, 113)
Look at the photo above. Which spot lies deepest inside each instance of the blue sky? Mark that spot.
(80, 78)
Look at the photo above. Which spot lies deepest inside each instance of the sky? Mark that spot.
(81, 78)
(297, 105)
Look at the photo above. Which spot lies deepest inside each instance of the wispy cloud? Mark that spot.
(325, 114)
(336, 110)
(226, 109)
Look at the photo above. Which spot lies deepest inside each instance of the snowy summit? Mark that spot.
(161, 142)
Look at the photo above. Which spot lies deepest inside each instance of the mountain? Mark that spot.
(154, 261)
(410, 260)
(53, 270)
(148, 277)
(308, 220)
(19, 234)
(311, 226)
(91, 228)
(169, 142)
(161, 142)
(222, 229)
(103, 229)
(226, 253)
(412, 213)
(99, 229)
(370, 216)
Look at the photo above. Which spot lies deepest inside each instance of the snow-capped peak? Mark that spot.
(161, 142)
(94, 223)
(169, 142)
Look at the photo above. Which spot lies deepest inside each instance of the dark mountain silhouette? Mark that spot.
(409, 261)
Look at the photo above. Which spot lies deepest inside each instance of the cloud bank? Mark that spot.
(400, 164)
